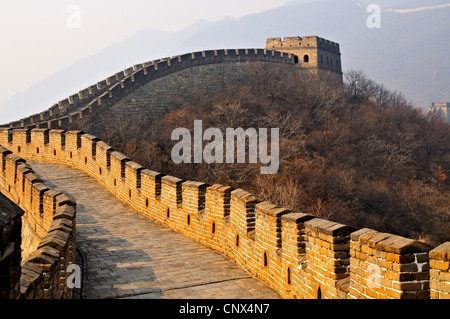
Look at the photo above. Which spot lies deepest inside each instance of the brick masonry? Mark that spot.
(46, 240)
(300, 256)
(440, 272)
(151, 88)
(312, 52)
(107, 93)
(157, 97)
(126, 255)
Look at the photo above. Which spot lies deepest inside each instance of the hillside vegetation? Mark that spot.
(357, 154)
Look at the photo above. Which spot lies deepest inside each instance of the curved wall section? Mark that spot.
(157, 97)
(107, 92)
(47, 233)
(299, 255)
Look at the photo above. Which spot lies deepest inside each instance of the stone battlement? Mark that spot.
(305, 42)
(110, 90)
(299, 255)
(47, 235)
(317, 55)
(313, 52)
(440, 109)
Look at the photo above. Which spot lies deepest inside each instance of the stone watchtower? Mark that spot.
(441, 109)
(320, 56)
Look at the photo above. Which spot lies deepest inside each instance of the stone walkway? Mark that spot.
(129, 256)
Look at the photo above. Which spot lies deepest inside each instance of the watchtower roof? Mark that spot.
(303, 42)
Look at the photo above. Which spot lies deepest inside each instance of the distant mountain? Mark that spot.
(409, 53)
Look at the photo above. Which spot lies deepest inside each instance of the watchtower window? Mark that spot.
(306, 58)
(296, 59)
(321, 59)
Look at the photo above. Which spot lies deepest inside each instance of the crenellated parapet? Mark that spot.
(388, 266)
(314, 53)
(299, 255)
(440, 272)
(47, 236)
(107, 92)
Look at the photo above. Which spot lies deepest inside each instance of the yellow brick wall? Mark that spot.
(45, 211)
(440, 272)
(299, 255)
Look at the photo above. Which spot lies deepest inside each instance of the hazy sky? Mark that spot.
(39, 38)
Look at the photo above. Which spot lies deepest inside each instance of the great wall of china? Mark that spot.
(298, 255)
(109, 91)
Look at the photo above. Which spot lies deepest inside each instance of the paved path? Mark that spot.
(129, 256)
